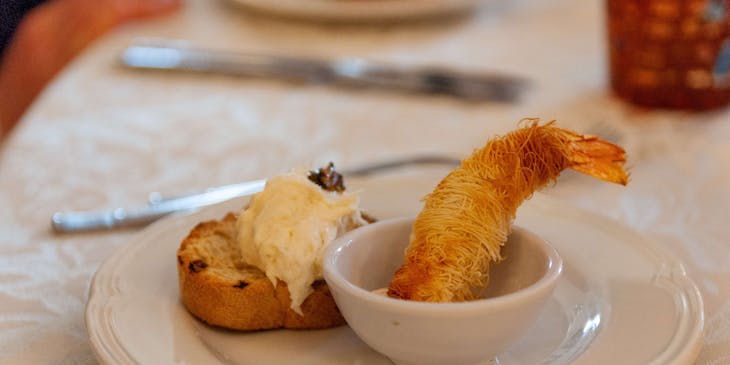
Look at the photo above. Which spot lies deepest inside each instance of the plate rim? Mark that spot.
(690, 350)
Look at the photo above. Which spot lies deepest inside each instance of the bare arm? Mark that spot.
(50, 36)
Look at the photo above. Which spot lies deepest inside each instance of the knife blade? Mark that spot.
(358, 72)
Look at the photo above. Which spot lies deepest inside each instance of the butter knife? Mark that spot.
(78, 221)
(121, 217)
(160, 54)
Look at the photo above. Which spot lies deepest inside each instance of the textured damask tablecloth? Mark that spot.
(103, 136)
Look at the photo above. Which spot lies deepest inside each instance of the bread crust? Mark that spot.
(219, 289)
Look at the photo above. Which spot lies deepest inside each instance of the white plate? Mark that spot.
(360, 10)
(621, 300)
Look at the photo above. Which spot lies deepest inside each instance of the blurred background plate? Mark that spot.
(360, 10)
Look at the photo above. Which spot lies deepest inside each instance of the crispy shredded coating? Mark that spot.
(467, 218)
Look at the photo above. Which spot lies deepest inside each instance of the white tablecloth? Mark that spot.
(103, 136)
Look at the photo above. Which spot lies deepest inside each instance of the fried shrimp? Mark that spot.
(467, 218)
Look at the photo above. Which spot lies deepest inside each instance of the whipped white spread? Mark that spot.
(287, 226)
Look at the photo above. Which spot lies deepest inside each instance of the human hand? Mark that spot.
(49, 36)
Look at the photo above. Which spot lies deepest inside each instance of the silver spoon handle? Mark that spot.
(157, 197)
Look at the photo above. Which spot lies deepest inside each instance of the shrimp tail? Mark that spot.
(595, 157)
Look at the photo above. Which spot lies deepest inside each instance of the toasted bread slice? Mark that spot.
(220, 289)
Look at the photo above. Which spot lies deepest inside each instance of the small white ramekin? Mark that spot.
(464, 333)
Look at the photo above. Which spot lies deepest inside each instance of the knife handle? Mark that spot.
(104, 219)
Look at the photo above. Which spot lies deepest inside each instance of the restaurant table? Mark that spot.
(102, 136)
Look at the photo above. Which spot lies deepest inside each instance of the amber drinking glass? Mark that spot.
(670, 53)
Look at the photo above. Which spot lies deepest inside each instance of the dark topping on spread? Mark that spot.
(197, 266)
(241, 284)
(180, 260)
(327, 178)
